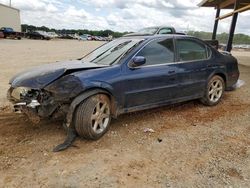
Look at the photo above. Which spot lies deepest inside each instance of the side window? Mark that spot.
(158, 52)
(165, 31)
(191, 50)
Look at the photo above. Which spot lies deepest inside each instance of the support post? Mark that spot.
(232, 28)
(216, 23)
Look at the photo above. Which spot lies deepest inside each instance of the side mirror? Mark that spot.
(137, 61)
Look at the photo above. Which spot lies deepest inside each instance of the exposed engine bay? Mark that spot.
(36, 104)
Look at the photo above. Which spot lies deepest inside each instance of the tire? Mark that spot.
(214, 91)
(92, 117)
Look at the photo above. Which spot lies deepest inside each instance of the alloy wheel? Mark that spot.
(100, 117)
(215, 90)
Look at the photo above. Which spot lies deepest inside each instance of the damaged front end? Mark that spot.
(36, 104)
(46, 92)
(50, 101)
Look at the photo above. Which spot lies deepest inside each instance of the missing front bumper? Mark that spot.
(29, 110)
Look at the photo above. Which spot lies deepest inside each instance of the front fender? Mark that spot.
(98, 84)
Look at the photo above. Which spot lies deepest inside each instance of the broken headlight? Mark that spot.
(19, 92)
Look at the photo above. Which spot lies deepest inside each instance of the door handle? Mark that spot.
(211, 66)
(171, 71)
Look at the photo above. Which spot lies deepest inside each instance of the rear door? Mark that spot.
(193, 58)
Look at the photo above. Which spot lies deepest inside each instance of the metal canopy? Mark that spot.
(223, 4)
(237, 6)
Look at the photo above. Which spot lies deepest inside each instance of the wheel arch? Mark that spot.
(221, 74)
(106, 91)
(86, 94)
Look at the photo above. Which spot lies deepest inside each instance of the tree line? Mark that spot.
(102, 33)
(222, 37)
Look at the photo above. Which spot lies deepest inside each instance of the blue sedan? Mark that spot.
(128, 74)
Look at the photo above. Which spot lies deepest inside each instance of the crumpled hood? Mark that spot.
(41, 76)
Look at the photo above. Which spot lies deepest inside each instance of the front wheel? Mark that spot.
(92, 117)
(214, 91)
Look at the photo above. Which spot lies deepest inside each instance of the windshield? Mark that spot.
(112, 52)
(148, 30)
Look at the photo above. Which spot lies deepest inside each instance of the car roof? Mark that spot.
(160, 26)
(157, 36)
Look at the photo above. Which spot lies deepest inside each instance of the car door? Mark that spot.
(193, 58)
(154, 82)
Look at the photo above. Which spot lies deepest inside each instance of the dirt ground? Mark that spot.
(193, 145)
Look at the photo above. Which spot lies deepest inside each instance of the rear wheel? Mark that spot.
(92, 117)
(214, 91)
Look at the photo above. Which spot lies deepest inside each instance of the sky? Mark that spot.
(124, 15)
